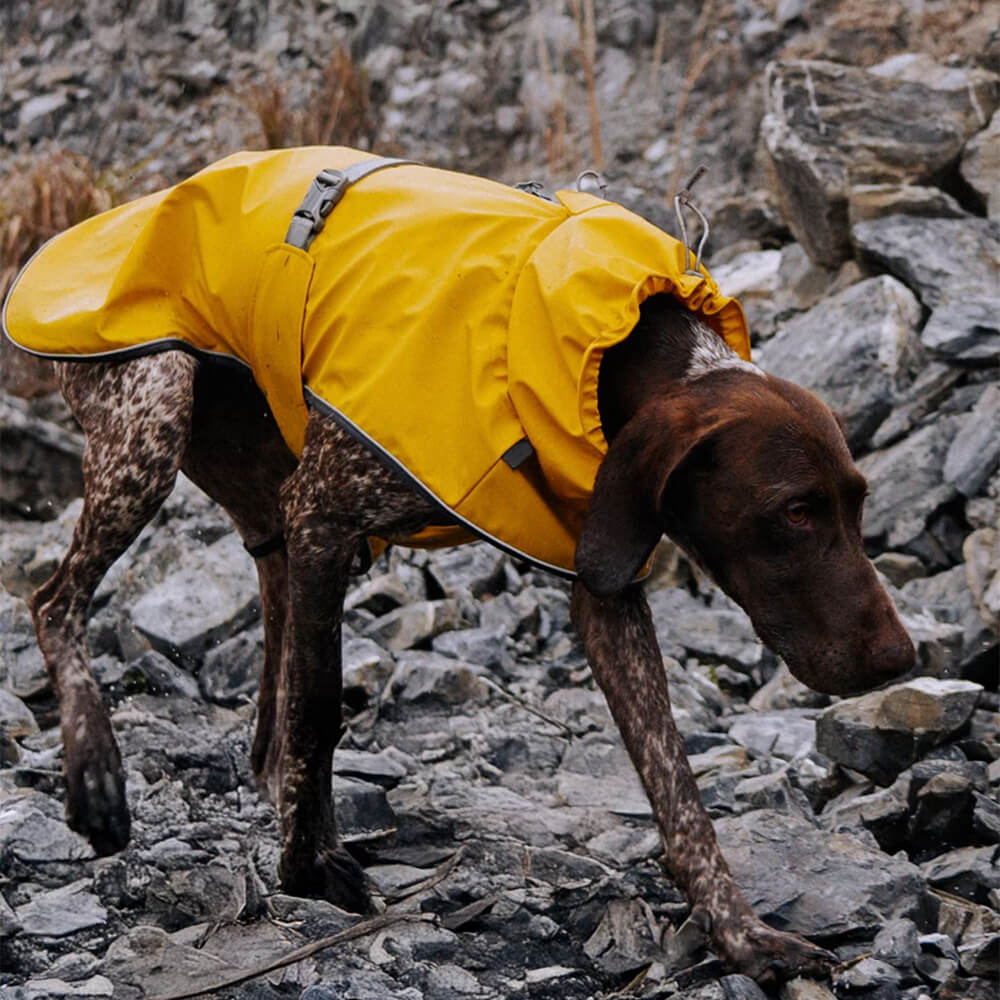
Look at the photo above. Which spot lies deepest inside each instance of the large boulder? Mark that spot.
(829, 127)
(859, 350)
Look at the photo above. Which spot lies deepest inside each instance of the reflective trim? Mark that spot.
(320, 404)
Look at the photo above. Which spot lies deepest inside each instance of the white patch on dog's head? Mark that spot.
(710, 353)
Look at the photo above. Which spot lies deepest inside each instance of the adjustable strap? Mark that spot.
(326, 190)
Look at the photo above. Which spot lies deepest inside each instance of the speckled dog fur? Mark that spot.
(696, 437)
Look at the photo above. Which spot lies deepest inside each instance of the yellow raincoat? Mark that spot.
(439, 317)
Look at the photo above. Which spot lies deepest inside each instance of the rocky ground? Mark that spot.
(855, 191)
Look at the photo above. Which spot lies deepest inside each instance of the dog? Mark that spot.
(749, 474)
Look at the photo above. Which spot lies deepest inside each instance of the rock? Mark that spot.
(940, 813)
(907, 483)
(883, 813)
(232, 669)
(476, 569)
(974, 454)
(828, 127)
(785, 691)
(626, 938)
(817, 884)
(154, 673)
(414, 624)
(875, 201)
(742, 988)
(33, 830)
(366, 667)
(39, 462)
(805, 989)
(859, 350)
(964, 330)
(206, 893)
(16, 719)
(867, 974)
(982, 553)
(881, 733)
(63, 911)
(969, 872)
(924, 397)
(363, 811)
(485, 647)
(898, 943)
(423, 676)
(786, 734)
(751, 274)
(942, 260)
(685, 625)
(981, 165)
(596, 773)
(211, 595)
(52, 988)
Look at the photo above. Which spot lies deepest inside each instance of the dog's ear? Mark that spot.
(623, 522)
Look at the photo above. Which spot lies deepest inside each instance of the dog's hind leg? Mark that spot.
(136, 417)
(238, 457)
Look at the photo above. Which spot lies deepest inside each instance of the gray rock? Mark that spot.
(974, 453)
(63, 911)
(969, 872)
(883, 813)
(154, 673)
(805, 989)
(16, 719)
(423, 676)
(897, 943)
(486, 647)
(685, 625)
(596, 773)
(818, 884)
(210, 596)
(207, 893)
(964, 329)
(875, 201)
(982, 554)
(859, 350)
(829, 126)
(231, 670)
(477, 569)
(39, 462)
(907, 483)
(981, 165)
(33, 830)
(942, 260)
(786, 734)
(922, 399)
(626, 938)
(881, 733)
(414, 624)
(386, 768)
(363, 811)
(868, 974)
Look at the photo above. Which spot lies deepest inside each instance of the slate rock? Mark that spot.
(898, 943)
(981, 165)
(32, 829)
(964, 330)
(884, 813)
(940, 259)
(974, 453)
(22, 669)
(486, 647)
(154, 673)
(786, 734)
(415, 624)
(881, 733)
(366, 668)
(868, 974)
(982, 554)
(422, 676)
(231, 670)
(859, 350)
(907, 483)
(822, 885)
(363, 811)
(206, 893)
(969, 872)
(39, 463)
(626, 938)
(62, 911)
(828, 126)
(211, 595)
(875, 201)
(477, 569)
(685, 625)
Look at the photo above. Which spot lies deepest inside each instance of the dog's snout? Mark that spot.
(894, 659)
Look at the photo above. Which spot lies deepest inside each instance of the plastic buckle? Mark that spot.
(326, 190)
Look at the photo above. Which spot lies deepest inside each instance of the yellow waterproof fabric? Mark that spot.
(441, 317)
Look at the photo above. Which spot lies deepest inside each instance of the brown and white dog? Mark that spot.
(750, 474)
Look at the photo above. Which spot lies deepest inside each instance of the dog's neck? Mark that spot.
(669, 345)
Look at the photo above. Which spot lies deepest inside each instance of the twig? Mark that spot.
(443, 871)
(527, 707)
(306, 951)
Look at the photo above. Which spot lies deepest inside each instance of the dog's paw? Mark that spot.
(334, 876)
(770, 956)
(96, 806)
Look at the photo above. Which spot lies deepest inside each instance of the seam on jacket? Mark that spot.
(393, 463)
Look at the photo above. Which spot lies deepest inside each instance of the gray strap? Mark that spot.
(326, 190)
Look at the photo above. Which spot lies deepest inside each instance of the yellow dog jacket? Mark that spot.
(453, 324)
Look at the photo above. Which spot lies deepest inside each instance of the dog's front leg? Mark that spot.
(307, 709)
(621, 645)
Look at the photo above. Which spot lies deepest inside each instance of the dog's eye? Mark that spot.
(797, 512)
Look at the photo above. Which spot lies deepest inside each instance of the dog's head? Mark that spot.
(751, 475)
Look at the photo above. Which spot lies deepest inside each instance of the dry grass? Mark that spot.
(57, 192)
(338, 113)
